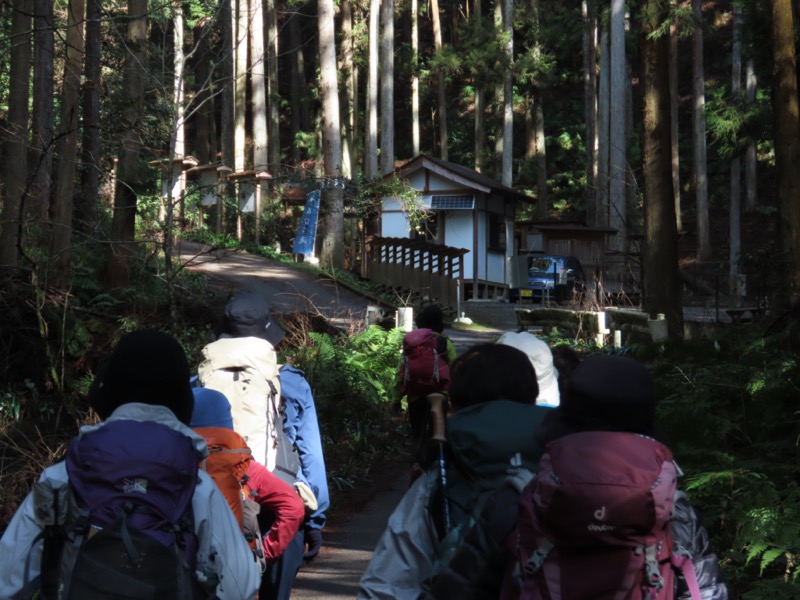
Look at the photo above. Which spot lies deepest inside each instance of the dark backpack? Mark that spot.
(424, 368)
(595, 522)
(130, 530)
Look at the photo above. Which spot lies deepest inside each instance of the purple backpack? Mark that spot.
(133, 536)
(594, 523)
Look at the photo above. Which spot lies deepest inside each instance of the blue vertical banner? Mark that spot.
(307, 230)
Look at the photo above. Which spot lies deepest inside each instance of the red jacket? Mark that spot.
(283, 501)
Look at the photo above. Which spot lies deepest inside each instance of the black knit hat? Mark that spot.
(249, 315)
(604, 393)
(431, 317)
(148, 367)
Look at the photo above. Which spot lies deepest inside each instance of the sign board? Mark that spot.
(247, 196)
(307, 230)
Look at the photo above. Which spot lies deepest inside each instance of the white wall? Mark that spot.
(458, 234)
(393, 220)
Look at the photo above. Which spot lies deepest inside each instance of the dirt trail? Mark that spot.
(348, 544)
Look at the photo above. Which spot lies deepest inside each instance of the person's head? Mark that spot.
(211, 409)
(603, 393)
(249, 315)
(431, 317)
(148, 367)
(538, 352)
(488, 372)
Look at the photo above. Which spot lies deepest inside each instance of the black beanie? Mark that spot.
(148, 367)
(604, 393)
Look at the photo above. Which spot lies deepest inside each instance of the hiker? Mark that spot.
(417, 378)
(488, 440)
(254, 485)
(605, 394)
(247, 338)
(541, 357)
(127, 507)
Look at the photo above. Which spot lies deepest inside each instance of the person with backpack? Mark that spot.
(273, 409)
(602, 518)
(127, 513)
(488, 441)
(246, 484)
(425, 369)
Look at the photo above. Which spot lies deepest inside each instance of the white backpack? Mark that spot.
(245, 369)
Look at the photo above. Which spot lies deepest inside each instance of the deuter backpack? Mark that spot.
(123, 527)
(595, 522)
(246, 371)
(227, 463)
(424, 369)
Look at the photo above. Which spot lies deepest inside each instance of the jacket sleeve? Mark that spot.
(280, 499)
(302, 428)
(223, 552)
(477, 569)
(687, 532)
(405, 555)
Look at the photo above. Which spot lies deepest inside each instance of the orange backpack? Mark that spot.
(227, 462)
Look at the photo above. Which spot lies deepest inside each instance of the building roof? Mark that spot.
(461, 175)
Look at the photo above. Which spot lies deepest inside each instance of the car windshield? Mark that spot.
(541, 265)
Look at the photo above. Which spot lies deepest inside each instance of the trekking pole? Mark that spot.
(437, 403)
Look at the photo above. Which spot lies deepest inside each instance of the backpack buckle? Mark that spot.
(536, 560)
(653, 578)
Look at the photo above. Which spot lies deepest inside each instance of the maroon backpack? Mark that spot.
(594, 523)
(424, 368)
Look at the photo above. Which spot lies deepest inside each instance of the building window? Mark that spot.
(497, 233)
(429, 229)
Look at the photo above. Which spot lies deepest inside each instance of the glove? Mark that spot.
(313, 541)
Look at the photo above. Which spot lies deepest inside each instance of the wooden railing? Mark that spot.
(427, 272)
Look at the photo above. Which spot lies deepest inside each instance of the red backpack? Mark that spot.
(424, 368)
(227, 462)
(594, 523)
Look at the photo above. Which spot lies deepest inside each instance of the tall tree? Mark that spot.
(700, 165)
(66, 146)
(735, 230)
(348, 71)
(240, 64)
(589, 47)
(508, 93)
(40, 164)
(751, 159)
(617, 165)
(299, 113)
(415, 77)
(387, 85)
(440, 82)
(16, 134)
(371, 122)
(123, 221)
(600, 205)
(86, 201)
(273, 97)
(660, 260)
(673, 118)
(332, 197)
(787, 146)
(480, 99)
(258, 86)
(227, 84)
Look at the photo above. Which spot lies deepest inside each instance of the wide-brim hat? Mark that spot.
(249, 315)
(604, 393)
